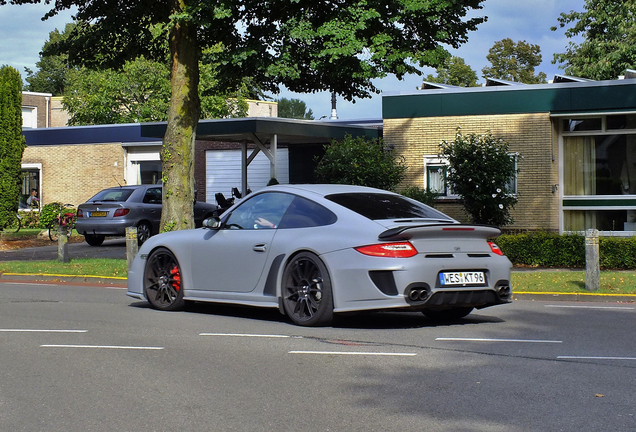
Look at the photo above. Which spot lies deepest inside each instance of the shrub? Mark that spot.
(419, 194)
(544, 249)
(50, 212)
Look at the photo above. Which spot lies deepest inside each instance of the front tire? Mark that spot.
(447, 314)
(162, 281)
(306, 290)
(54, 227)
(94, 239)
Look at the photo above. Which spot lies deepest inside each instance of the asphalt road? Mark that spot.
(80, 358)
(112, 248)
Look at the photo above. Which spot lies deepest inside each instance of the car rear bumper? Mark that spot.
(110, 228)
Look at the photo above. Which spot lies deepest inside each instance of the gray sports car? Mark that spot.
(315, 250)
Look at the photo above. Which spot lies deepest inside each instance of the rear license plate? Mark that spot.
(462, 278)
(98, 214)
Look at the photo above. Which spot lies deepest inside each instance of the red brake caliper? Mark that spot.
(176, 278)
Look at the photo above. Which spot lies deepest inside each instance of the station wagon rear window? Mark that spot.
(377, 206)
(112, 195)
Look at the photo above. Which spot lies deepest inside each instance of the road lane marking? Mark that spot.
(591, 307)
(104, 347)
(248, 335)
(359, 353)
(496, 340)
(594, 358)
(41, 331)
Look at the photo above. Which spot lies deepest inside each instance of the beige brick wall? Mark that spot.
(59, 116)
(531, 135)
(74, 173)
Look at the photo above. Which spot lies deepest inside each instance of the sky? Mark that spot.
(22, 35)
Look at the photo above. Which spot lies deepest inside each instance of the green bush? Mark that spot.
(542, 249)
(50, 212)
(419, 194)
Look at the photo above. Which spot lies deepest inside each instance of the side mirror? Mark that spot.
(212, 223)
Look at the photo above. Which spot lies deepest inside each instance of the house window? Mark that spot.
(599, 174)
(435, 169)
(30, 181)
(29, 117)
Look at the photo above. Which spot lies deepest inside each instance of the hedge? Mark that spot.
(542, 249)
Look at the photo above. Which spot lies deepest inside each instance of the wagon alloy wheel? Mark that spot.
(143, 232)
(162, 281)
(307, 295)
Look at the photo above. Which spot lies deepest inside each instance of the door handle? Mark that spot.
(262, 247)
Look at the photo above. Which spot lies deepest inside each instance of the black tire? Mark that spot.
(162, 281)
(448, 314)
(13, 224)
(307, 292)
(53, 230)
(144, 231)
(94, 239)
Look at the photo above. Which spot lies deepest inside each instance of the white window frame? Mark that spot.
(431, 161)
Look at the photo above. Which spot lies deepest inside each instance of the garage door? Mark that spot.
(223, 171)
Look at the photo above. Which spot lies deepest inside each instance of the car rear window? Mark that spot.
(114, 195)
(378, 206)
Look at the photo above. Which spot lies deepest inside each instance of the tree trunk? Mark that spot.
(177, 156)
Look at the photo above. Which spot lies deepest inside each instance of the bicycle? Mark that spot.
(14, 223)
(63, 219)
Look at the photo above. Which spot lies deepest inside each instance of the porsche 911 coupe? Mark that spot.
(313, 251)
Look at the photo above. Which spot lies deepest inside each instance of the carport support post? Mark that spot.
(132, 246)
(592, 268)
(62, 245)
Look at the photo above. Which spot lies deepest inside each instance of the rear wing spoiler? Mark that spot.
(439, 231)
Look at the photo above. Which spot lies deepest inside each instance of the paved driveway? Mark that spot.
(115, 248)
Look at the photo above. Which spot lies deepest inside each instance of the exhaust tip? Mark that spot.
(418, 293)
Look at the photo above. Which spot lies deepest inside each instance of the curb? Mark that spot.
(576, 297)
(53, 278)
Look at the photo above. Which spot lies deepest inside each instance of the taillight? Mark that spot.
(390, 250)
(121, 212)
(80, 213)
(495, 249)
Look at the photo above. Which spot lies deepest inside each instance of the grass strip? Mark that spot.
(533, 281)
(77, 267)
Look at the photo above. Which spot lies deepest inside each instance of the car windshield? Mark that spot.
(378, 206)
(115, 195)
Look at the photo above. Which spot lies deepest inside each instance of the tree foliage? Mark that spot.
(52, 69)
(361, 161)
(307, 46)
(514, 61)
(294, 108)
(455, 72)
(139, 92)
(480, 170)
(12, 142)
(608, 29)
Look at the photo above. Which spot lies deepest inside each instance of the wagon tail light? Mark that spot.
(389, 250)
(121, 212)
(495, 249)
(80, 213)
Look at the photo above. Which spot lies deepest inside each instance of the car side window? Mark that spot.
(152, 196)
(303, 213)
(262, 211)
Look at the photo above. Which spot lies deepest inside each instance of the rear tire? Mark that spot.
(13, 224)
(447, 314)
(94, 239)
(53, 230)
(162, 281)
(306, 291)
(144, 231)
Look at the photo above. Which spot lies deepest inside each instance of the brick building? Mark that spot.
(576, 140)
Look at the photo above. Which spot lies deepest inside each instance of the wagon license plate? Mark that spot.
(462, 278)
(98, 214)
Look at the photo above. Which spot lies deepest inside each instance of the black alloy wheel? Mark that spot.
(162, 281)
(306, 291)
